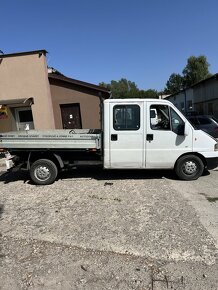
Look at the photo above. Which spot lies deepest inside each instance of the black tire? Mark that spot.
(189, 167)
(43, 172)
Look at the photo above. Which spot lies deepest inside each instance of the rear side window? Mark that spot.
(126, 117)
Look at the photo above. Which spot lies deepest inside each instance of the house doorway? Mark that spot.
(24, 118)
(71, 117)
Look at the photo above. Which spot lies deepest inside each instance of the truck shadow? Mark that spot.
(8, 177)
(115, 174)
(94, 173)
(97, 173)
(1, 211)
(107, 175)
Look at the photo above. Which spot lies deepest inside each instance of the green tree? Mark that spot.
(197, 69)
(148, 94)
(104, 85)
(127, 89)
(174, 84)
(122, 88)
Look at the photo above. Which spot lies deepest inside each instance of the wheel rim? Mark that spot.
(42, 173)
(190, 167)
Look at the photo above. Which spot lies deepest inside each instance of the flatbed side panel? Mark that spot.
(61, 139)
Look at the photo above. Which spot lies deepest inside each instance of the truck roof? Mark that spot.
(137, 100)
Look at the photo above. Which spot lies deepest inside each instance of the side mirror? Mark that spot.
(183, 129)
(187, 129)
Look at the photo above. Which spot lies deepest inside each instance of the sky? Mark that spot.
(102, 40)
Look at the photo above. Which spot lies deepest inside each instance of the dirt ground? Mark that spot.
(95, 229)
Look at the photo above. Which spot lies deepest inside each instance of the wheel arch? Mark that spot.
(35, 155)
(193, 153)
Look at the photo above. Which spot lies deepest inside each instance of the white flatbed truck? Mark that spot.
(136, 133)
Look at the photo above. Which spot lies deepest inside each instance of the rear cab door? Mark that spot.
(124, 134)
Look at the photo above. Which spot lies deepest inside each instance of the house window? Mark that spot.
(200, 108)
(189, 105)
(24, 118)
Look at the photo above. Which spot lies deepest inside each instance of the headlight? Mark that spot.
(216, 147)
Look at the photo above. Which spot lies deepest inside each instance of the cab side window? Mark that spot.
(178, 125)
(159, 117)
(164, 118)
(126, 117)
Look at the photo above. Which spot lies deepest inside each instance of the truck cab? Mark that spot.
(153, 133)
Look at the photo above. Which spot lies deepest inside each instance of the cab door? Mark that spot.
(126, 137)
(165, 139)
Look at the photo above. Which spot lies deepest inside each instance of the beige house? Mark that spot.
(31, 96)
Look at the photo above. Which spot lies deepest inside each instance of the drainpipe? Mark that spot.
(101, 109)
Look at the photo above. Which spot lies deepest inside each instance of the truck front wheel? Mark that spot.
(189, 167)
(43, 172)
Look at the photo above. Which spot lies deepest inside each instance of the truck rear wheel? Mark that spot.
(189, 167)
(43, 172)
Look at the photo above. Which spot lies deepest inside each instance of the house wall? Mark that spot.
(8, 124)
(204, 97)
(181, 98)
(66, 93)
(25, 76)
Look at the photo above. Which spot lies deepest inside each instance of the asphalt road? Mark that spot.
(95, 229)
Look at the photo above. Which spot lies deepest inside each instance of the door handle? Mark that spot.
(114, 137)
(149, 137)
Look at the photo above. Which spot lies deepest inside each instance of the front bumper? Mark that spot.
(212, 163)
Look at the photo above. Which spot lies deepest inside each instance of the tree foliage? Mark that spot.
(174, 84)
(196, 69)
(128, 89)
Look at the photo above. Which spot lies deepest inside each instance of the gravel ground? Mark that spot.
(95, 229)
